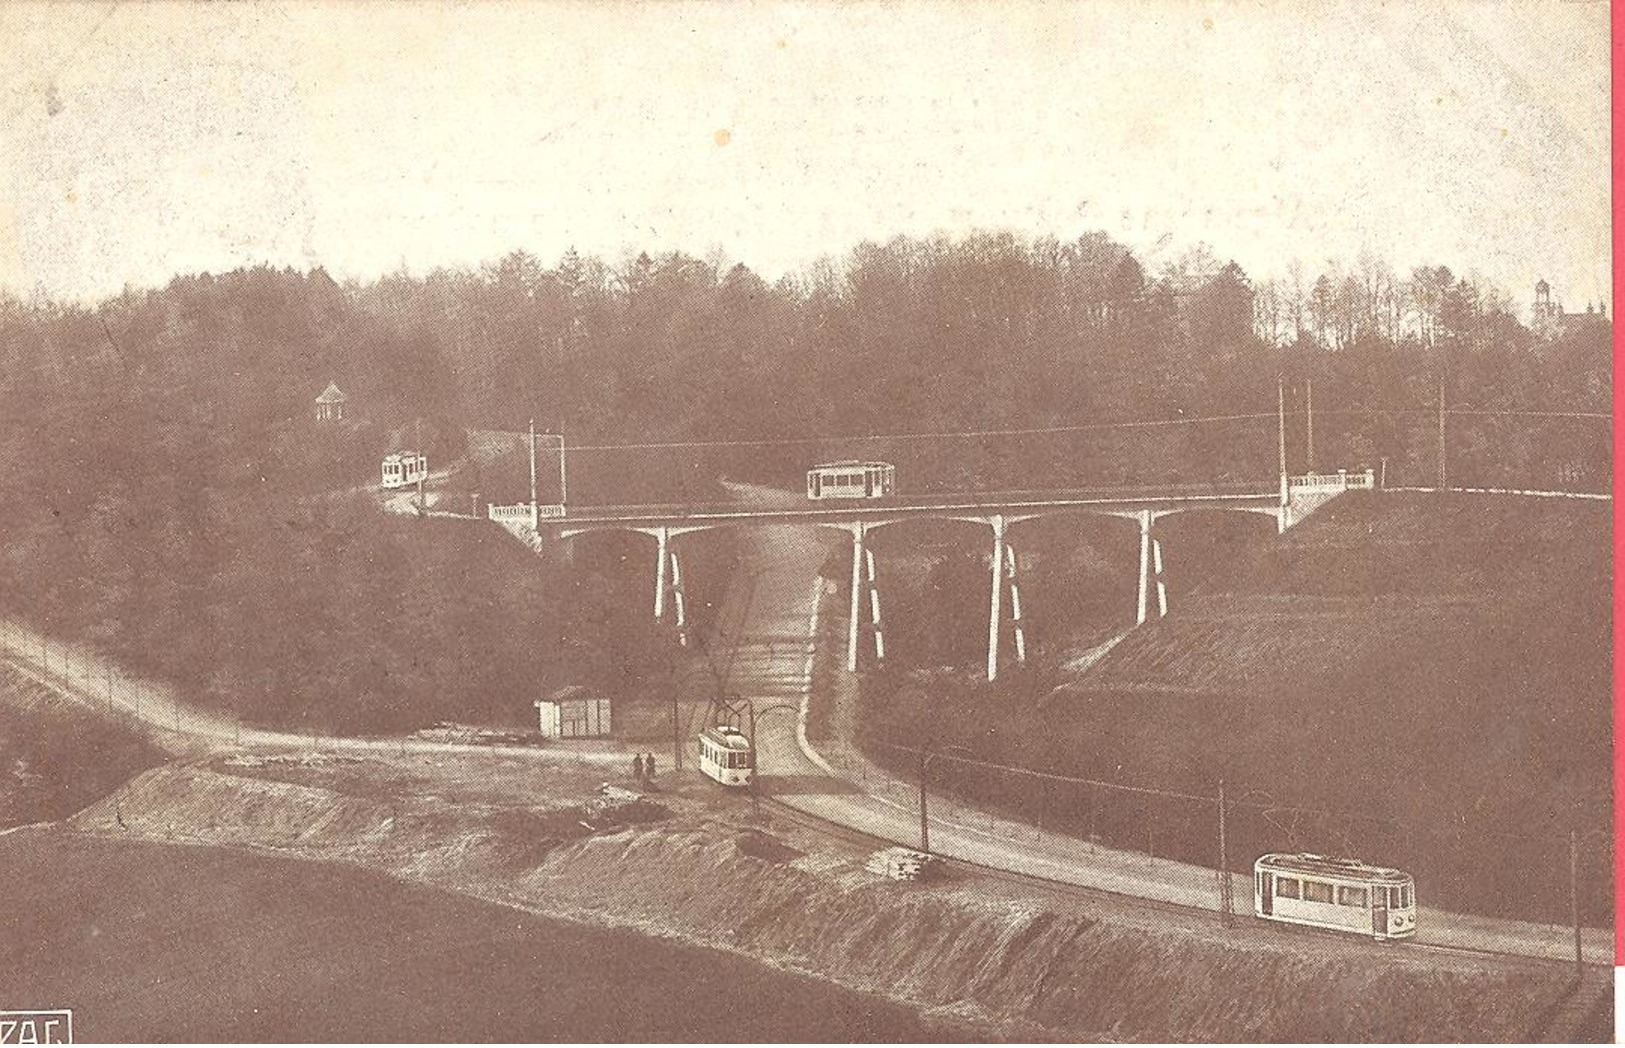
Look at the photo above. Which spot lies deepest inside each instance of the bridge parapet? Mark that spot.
(522, 513)
(523, 520)
(1342, 480)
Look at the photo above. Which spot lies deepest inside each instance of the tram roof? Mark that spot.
(853, 464)
(729, 737)
(1329, 866)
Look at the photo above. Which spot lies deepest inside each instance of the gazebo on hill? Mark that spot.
(330, 405)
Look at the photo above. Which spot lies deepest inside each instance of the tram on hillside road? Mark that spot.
(403, 468)
(851, 480)
(726, 756)
(1341, 894)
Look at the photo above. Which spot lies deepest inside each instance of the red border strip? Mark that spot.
(1617, 21)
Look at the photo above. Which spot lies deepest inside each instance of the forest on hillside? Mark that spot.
(161, 463)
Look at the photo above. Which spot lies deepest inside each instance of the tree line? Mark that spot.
(164, 439)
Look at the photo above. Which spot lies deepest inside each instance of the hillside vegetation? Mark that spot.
(1431, 676)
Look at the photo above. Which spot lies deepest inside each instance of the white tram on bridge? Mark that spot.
(852, 480)
(726, 756)
(404, 468)
(1342, 894)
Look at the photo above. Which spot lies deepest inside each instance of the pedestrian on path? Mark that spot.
(637, 767)
(649, 766)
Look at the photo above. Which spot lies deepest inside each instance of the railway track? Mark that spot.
(829, 828)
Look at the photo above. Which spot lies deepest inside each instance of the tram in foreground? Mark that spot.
(851, 480)
(1342, 894)
(403, 468)
(726, 756)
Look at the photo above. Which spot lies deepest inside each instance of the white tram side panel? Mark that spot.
(851, 480)
(725, 755)
(1339, 894)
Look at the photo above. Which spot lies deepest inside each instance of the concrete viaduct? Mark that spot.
(1287, 502)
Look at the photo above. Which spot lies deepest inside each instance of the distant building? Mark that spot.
(330, 405)
(573, 712)
(1548, 320)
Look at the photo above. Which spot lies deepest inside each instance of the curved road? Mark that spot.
(773, 666)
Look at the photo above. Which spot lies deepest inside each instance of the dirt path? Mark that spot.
(182, 727)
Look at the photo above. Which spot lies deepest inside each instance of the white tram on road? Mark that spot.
(725, 755)
(851, 480)
(1335, 893)
(404, 468)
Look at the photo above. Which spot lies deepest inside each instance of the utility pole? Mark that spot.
(1574, 897)
(563, 482)
(1309, 405)
(417, 438)
(1226, 904)
(1441, 431)
(676, 736)
(1280, 432)
(533, 468)
(925, 823)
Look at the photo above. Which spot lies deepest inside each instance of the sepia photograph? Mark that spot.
(791, 521)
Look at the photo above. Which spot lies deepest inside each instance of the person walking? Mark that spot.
(637, 768)
(649, 766)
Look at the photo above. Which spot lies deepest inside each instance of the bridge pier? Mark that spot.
(995, 611)
(679, 601)
(669, 581)
(874, 607)
(1002, 571)
(662, 540)
(1011, 560)
(1150, 571)
(1145, 567)
(863, 580)
(1162, 579)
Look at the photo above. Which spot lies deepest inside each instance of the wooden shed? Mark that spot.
(574, 712)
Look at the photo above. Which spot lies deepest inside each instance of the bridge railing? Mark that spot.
(1342, 480)
(522, 513)
(927, 500)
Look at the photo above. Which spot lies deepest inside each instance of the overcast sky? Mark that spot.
(143, 140)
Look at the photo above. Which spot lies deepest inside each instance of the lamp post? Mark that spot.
(1576, 839)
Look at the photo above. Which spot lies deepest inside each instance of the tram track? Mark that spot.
(832, 829)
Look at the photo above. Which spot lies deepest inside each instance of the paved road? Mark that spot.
(774, 665)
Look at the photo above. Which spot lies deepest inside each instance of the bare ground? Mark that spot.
(688, 864)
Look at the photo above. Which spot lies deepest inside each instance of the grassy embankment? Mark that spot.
(56, 756)
(1438, 669)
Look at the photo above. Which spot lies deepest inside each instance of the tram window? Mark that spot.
(1286, 887)
(1347, 896)
(1404, 895)
(1317, 891)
